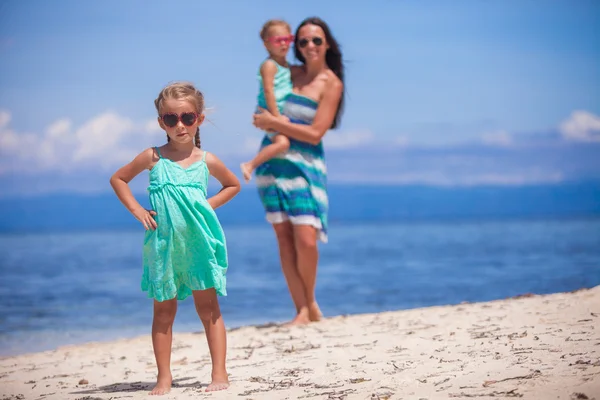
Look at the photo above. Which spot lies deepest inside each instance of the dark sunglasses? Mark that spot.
(317, 41)
(186, 118)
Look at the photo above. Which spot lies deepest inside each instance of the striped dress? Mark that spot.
(293, 185)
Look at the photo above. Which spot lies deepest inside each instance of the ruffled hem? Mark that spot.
(182, 285)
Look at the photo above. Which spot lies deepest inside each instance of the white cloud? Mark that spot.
(8, 138)
(497, 138)
(581, 126)
(106, 141)
(333, 140)
(100, 135)
(152, 126)
(345, 140)
(11, 142)
(4, 118)
(8, 141)
(401, 141)
(59, 129)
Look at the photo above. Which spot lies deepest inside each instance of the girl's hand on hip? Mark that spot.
(146, 218)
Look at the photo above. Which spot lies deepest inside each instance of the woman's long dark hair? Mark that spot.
(333, 58)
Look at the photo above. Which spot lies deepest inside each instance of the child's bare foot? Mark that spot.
(246, 171)
(163, 386)
(219, 382)
(314, 312)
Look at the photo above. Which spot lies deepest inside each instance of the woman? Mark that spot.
(292, 187)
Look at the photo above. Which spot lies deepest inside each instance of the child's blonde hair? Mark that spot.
(264, 32)
(182, 91)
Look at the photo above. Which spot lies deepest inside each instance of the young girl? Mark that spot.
(275, 84)
(184, 247)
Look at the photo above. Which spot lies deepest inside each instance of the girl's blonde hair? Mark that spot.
(182, 91)
(264, 32)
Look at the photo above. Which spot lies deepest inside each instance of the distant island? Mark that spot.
(348, 203)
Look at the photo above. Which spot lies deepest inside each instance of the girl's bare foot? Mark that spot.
(219, 382)
(246, 171)
(314, 312)
(163, 386)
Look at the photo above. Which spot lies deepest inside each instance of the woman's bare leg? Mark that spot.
(288, 256)
(305, 240)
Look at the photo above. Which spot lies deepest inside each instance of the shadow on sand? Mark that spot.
(121, 387)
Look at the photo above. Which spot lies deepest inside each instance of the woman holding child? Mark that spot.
(292, 181)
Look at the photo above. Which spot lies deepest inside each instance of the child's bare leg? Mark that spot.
(207, 307)
(162, 338)
(280, 144)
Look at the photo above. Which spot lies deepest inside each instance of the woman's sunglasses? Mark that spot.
(279, 39)
(317, 41)
(186, 118)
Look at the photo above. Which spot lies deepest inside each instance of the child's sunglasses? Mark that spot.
(186, 118)
(278, 39)
(317, 41)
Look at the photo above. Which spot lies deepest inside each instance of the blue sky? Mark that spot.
(438, 92)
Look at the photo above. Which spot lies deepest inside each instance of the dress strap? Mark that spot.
(158, 152)
(204, 156)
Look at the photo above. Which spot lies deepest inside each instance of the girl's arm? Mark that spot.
(306, 133)
(231, 184)
(120, 183)
(267, 71)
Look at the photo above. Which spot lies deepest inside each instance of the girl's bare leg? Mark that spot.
(162, 338)
(207, 307)
(280, 144)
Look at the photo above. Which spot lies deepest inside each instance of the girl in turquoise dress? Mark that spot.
(275, 84)
(293, 185)
(185, 251)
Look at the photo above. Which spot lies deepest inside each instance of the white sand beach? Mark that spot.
(532, 347)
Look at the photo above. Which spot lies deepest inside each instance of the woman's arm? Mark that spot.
(306, 133)
(120, 183)
(231, 184)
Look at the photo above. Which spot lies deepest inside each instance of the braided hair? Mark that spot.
(182, 91)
